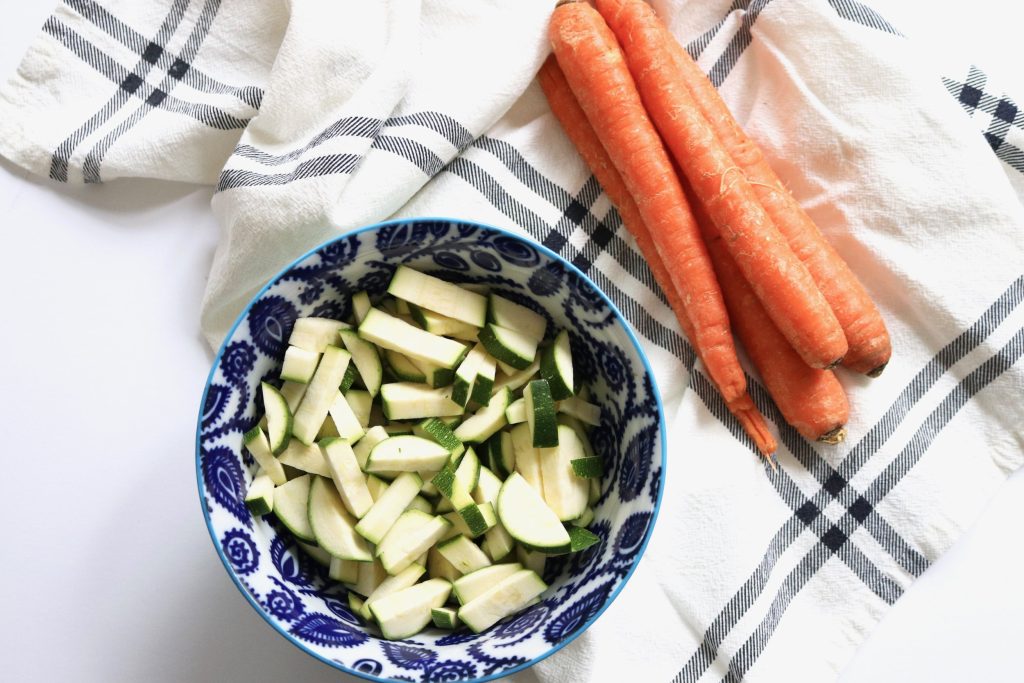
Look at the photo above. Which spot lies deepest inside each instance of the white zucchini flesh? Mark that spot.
(405, 578)
(373, 436)
(517, 379)
(465, 375)
(389, 507)
(516, 411)
(260, 495)
(516, 316)
(407, 524)
(346, 571)
(564, 492)
(299, 365)
(355, 603)
(509, 346)
(527, 457)
(376, 485)
(366, 359)
(583, 411)
(412, 401)
(332, 525)
(315, 334)
(403, 368)
(440, 568)
(345, 420)
(360, 305)
(475, 584)
(581, 432)
(259, 447)
(528, 518)
(348, 477)
(406, 542)
(306, 458)
(406, 612)
(361, 404)
(398, 428)
(497, 541)
(406, 453)
(439, 296)
(509, 370)
(293, 393)
(436, 323)
(485, 423)
(371, 574)
(531, 560)
(464, 555)
(488, 486)
(389, 332)
(420, 503)
(586, 518)
(435, 375)
(291, 502)
(509, 596)
(327, 431)
(320, 394)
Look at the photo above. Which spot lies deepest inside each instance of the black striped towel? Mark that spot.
(321, 117)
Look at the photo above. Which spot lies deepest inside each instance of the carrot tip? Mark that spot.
(773, 462)
(564, 2)
(877, 371)
(754, 425)
(836, 363)
(834, 436)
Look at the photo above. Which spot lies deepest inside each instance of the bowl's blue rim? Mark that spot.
(550, 254)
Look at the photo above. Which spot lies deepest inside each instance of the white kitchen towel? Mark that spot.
(314, 117)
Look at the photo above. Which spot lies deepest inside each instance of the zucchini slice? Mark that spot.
(556, 367)
(528, 518)
(332, 526)
(279, 418)
(439, 296)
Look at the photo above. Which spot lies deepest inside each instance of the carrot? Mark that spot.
(868, 340)
(596, 72)
(811, 400)
(780, 280)
(574, 121)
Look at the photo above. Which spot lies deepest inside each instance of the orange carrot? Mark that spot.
(780, 280)
(596, 72)
(567, 110)
(811, 400)
(862, 324)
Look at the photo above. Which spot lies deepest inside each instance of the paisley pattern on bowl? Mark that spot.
(291, 591)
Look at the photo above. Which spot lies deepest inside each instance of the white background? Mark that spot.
(107, 570)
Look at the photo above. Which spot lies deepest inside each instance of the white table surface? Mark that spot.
(108, 571)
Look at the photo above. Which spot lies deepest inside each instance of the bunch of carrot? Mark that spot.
(725, 240)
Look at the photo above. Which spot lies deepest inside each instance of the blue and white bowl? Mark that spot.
(291, 591)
